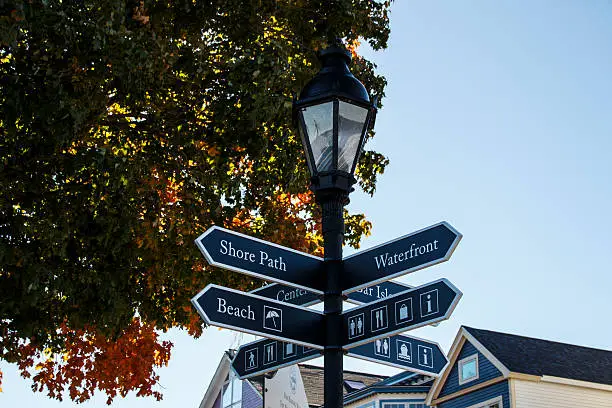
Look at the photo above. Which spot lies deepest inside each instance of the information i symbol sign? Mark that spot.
(425, 356)
(429, 303)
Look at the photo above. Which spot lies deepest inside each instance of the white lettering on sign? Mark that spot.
(290, 295)
(374, 291)
(243, 312)
(264, 259)
(227, 248)
(386, 259)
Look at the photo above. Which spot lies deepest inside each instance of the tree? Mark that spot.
(127, 129)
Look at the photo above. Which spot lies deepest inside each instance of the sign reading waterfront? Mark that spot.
(267, 355)
(405, 352)
(404, 255)
(403, 311)
(251, 256)
(232, 309)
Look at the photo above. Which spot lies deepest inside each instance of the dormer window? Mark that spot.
(468, 369)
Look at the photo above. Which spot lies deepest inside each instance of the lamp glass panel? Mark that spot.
(351, 119)
(320, 131)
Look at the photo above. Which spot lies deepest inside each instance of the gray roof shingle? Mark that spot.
(312, 376)
(527, 355)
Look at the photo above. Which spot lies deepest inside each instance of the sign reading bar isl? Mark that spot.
(255, 257)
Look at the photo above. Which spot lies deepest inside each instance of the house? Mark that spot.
(488, 369)
(226, 390)
(404, 390)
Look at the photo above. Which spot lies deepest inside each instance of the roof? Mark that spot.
(407, 378)
(402, 383)
(312, 376)
(527, 355)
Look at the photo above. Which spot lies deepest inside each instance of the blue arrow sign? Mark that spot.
(267, 355)
(287, 294)
(302, 297)
(255, 257)
(405, 352)
(232, 309)
(401, 312)
(403, 255)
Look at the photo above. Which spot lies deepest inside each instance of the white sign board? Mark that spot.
(285, 389)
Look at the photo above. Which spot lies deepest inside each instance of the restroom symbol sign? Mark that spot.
(382, 347)
(356, 325)
(429, 303)
(273, 318)
(403, 311)
(425, 355)
(250, 362)
(404, 350)
(269, 353)
(379, 318)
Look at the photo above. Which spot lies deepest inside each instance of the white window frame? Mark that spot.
(462, 362)
(232, 379)
(386, 404)
(488, 403)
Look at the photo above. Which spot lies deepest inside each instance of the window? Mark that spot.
(387, 405)
(232, 391)
(468, 369)
(393, 406)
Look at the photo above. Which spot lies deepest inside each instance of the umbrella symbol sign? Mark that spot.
(273, 318)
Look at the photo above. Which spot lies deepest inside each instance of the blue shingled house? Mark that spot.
(488, 369)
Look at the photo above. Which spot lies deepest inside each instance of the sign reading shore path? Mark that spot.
(404, 311)
(251, 256)
(407, 254)
(232, 309)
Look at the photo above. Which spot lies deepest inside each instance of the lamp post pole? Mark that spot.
(332, 206)
(333, 115)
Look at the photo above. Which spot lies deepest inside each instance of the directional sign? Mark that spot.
(405, 352)
(257, 315)
(266, 355)
(376, 292)
(404, 255)
(241, 253)
(401, 312)
(288, 294)
(303, 297)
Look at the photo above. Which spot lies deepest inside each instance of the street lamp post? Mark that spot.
(333, 114)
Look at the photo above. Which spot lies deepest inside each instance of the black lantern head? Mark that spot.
(333, 114)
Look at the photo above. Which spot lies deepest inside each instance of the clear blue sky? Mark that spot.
(498, 119)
